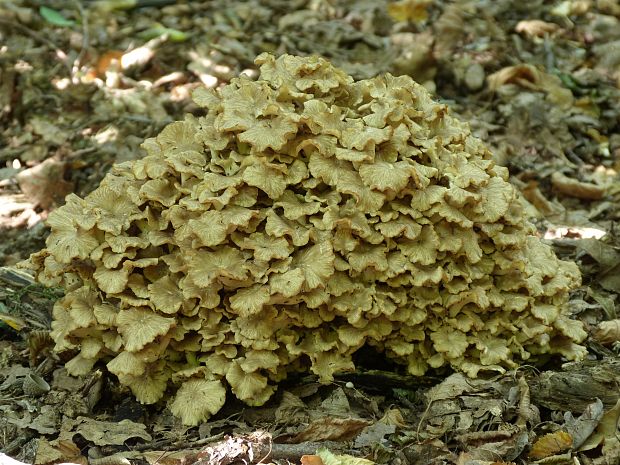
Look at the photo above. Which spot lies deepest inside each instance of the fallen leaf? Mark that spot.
(329, 429)
(536, 27)
(44, 423)
(453, 386)
(610, 278)
(604, 254)
(530, 77)
(409, 10)
(70, 452)
(311, 460)
(466, 458)
(393, 417)
(14, 322)
(573, 188)
(533, 195)
(524, 75)
(582, 427)
(336, 404)
(607, 429)
(551, 444)
(106, 433)
(329, 458)
(46, 453)
(606, 333)
(607, 303)
(291, 408)
(54, 17)
(158, 30)
(44, 184)
(374, 434)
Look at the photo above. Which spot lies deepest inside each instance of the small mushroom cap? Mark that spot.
(197, 400)
(139, 326)
(149, 386)
(252, 387)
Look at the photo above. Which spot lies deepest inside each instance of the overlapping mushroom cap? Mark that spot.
(305, 216)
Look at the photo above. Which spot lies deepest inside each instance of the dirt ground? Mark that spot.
(83, 83)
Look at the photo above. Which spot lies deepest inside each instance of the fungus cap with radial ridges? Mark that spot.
(304, 216)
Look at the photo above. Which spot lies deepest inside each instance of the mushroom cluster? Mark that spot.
(304, 216)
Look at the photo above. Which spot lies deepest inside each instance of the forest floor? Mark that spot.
(82, 84)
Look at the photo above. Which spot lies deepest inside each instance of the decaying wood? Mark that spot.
(578, 385)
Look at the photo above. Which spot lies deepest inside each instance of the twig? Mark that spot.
(296, 451)
(572, 156)
(177, 445)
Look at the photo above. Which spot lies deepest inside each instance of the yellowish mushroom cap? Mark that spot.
(197, 400)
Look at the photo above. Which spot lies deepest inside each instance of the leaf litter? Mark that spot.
(83, 85)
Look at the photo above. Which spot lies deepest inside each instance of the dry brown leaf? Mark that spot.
(606, 429)
(607, 332)
(534, 196)
(536, 27)
(524, 75)
(581, 428)
(551, 444)
(46, 453)
(311, 460)
(330, 429)
(394, 417)
(70, 452)
(44, 183)
(529, 77)
(573, 188)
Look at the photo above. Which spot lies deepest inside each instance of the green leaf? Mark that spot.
(174, 34)
(54, 17)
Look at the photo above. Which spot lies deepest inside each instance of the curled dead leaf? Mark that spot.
(573, 188)
(530, 77)
(524, 75)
